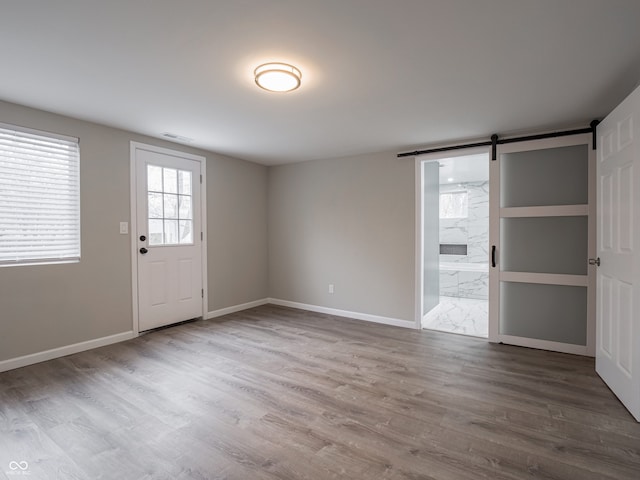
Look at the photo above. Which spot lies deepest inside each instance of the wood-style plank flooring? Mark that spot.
(277, 393)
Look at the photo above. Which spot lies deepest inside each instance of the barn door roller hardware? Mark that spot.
(495, 141)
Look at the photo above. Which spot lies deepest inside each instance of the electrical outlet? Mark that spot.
(331, 288)
(124, 228)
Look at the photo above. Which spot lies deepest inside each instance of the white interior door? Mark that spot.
(542, 235)
(618, 285)
(168, 237)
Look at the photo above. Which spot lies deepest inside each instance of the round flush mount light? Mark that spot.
(277, 77)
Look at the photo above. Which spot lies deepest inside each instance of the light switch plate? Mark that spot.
(124, 228)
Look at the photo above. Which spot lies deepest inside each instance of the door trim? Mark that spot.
(134, 146)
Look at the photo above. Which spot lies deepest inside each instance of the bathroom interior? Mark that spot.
(460, 303)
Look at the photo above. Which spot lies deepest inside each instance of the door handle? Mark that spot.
(143, 250)
(594, 261)
(493, 256)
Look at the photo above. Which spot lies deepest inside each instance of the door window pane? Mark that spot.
(155, 205)
(170, 232)
(156, 232)
(544, 245)
(185, 207)
(170, 206)
(552, 176)
(170, 214)
(556, 313)
(154, 178)
(170, 184)
(184, 182)
(186, 231)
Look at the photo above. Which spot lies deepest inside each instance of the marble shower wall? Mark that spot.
(472, 231)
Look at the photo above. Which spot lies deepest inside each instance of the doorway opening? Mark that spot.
(455, 196)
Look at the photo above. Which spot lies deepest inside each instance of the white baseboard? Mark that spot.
(38, 357)
(396, 322)
(236, 308)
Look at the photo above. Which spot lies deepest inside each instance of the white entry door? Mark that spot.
(618, 282)
(168, 238)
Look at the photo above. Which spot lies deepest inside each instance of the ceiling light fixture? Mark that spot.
(277, 77)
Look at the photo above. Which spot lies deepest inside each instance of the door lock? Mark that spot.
(142, 238)
(594, 261)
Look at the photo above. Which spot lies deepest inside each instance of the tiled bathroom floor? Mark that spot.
(467, 316)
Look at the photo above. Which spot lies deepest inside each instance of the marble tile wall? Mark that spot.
(449, 283)
(472, 231)
(473, 285)
(455, 283)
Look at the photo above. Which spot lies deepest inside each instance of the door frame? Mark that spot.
(134, 147)
(419, 229)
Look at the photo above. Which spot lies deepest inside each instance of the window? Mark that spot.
(454, 204)
(169, 206)
(39, 197)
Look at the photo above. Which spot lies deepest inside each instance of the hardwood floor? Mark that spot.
(277, 393)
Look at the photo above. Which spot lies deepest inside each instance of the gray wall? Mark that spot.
(285, 232)
(349, 222)
(49, 306)
(237, 232)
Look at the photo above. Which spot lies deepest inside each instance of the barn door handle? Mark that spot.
(493, 256)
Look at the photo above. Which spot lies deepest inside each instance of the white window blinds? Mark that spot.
(39, 197)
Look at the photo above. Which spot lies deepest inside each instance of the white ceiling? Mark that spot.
(377, 74)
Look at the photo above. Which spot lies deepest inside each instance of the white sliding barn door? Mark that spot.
(618, 285)
(542, 236)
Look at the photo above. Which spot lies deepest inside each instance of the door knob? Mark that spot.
(143, 250)
(594, 261)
